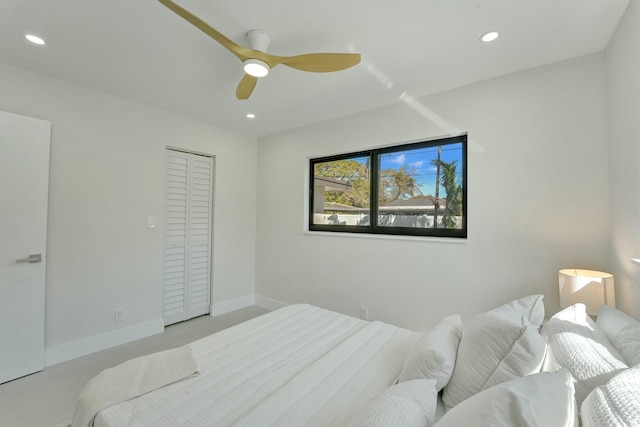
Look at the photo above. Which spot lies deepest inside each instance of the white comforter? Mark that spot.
(300, 365)
(131, 379)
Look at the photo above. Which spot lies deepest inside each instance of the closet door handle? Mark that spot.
(31, 259)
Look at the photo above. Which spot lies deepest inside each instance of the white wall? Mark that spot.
(623, 78)
(107, 176)
(538, 201)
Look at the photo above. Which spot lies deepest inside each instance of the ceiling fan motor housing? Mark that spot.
(258, 40)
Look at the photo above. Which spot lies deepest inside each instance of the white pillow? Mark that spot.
(493, 349)
(627, 342)
(411, 403)
(615, 404)
(531, 307)
(576, 343)
(611, 321)
(542, 399)
(623, 332)
(434, 354)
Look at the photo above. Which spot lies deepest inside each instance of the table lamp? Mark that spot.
(591, 288)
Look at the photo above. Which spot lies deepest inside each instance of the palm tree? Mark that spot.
(448, 180)
(454, 194)
(436, 202)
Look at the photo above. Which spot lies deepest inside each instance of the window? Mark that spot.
(417, 189)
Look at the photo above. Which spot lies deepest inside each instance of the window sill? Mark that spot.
(387, 237)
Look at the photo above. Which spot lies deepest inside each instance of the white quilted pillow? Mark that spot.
(539, 400)
(493, 350)
(623, 332)
(408, 404)
(615, 404)
(576, 343)
(433, 356)
(531, 307)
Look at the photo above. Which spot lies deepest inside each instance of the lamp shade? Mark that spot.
(591, 288)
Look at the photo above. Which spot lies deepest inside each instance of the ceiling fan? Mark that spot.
(257, 63)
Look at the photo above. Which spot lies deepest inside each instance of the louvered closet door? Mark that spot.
(187, 262)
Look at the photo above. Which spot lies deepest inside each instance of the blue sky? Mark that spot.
(421, 160)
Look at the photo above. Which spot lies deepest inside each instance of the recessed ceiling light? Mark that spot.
(34, 39)
(489, 36)
(251, 116)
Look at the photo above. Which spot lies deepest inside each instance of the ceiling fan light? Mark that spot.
(256, 67)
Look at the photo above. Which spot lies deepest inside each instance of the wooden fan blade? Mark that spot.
(321, 62)
(246, 86)
(240, 51)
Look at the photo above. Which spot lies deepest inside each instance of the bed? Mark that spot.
(300, 365)
(306, 366)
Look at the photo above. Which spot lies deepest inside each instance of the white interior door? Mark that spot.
(188, 222)
(24, 188)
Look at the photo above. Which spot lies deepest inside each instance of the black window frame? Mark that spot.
(373, 227)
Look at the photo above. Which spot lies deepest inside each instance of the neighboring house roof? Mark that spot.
(339, 207)
(331, 185)
(419, 203)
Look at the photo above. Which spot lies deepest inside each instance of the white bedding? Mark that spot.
(300, 365)
(131, 379)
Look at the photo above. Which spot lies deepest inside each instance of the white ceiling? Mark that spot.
(140, 50)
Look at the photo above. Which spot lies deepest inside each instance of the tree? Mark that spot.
(394, 183)
(436, 201)
(397, 184)
(351, 172)
(454, 193)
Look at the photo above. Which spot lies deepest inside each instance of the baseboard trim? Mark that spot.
(88, 345)
(232, 305)
(269, 303)
(82, 347)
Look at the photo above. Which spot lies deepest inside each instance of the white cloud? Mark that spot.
(417, 164)
(399, 160)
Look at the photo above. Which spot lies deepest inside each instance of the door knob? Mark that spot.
(31, 258)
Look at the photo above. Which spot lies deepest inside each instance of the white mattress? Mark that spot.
(300, 365)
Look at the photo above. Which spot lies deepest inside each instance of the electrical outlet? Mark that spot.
(364, 313)
(119, 314)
